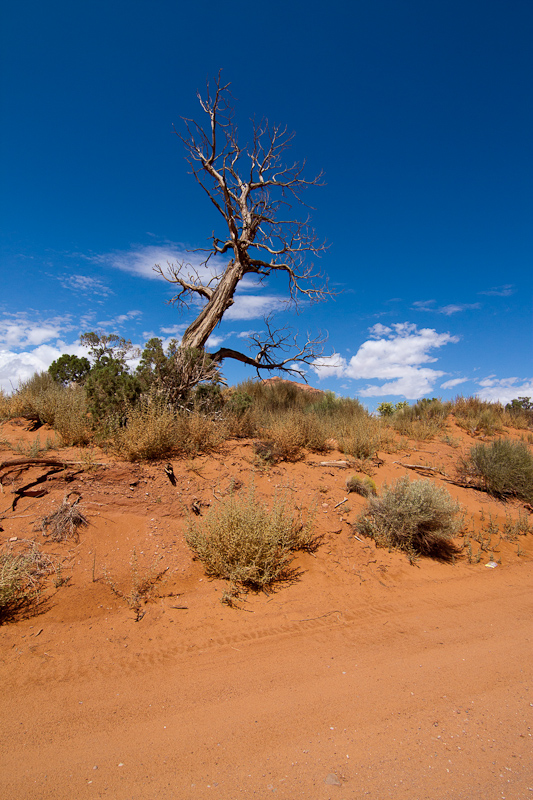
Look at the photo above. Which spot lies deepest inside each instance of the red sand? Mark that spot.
(368, 677)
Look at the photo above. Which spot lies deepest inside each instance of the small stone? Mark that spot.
(13, 538)
(332, 780)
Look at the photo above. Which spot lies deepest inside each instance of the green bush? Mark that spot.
(503, 468)
(363, 486)
(248, 544)
(111, 390)
(417, 517)
(69, 369)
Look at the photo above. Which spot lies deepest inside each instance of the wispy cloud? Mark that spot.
(120, 320)
(394, 354)
(448, 310)
(453, 382)
(500, 291)
(84, 284)
(141, 261)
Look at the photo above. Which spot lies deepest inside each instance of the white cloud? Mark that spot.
(141, 261)
(16, 367)
(452, 383)
(503, 390)
(254, 306)
(397, 358)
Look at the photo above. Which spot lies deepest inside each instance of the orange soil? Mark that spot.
(368, 677)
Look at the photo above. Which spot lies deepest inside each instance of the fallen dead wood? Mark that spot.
(340, 464)
(420, 467)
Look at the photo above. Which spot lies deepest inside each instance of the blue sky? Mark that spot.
(419, 113)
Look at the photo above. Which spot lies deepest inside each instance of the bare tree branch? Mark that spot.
(254, 190)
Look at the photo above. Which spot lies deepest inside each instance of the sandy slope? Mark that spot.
(366, 678)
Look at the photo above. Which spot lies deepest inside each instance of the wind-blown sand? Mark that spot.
(368, 677)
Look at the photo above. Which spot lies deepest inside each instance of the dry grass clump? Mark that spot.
(151, 431)
(64, 523)
(199, 433)
(503, 468)
(422, 421)
(477, 416)
(71, 416)
(244, 542)
(363, 437)
(417, 517)
(22, 576)
(363, 486)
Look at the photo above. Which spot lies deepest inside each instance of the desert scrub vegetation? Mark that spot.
(363, 486)
(143, 586)
(502, 468)
(63, 523)
(421, 421)
(416, 517)
(251, 546)
(24, 570)
(478, 417)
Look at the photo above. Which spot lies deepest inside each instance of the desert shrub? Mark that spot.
(417, 517)
(363, 486)
(23, 572)
(184, 376)
(151, 430)
(519, 413)
(71, 420)
(421, 421)
(198, 433)
(362, 437)
(244, 542)
(477, 416)
(238, 403)
(143, 588)
(503, 468)
(37, 398)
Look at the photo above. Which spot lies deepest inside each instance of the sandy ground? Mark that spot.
(368, 677)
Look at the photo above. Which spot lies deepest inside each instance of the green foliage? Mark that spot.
(69, 369)
(417, 517)
(108, 347)
(388, 409)
(248, 544)
(111, 390)
(503, 468)
(363, 486)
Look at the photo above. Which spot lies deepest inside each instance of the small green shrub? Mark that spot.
(363, 486)
(417, 517)
(248, 544)
(503, 468)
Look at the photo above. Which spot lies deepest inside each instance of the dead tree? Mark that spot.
(254, 191)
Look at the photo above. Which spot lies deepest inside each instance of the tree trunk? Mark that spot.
(205, 323)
